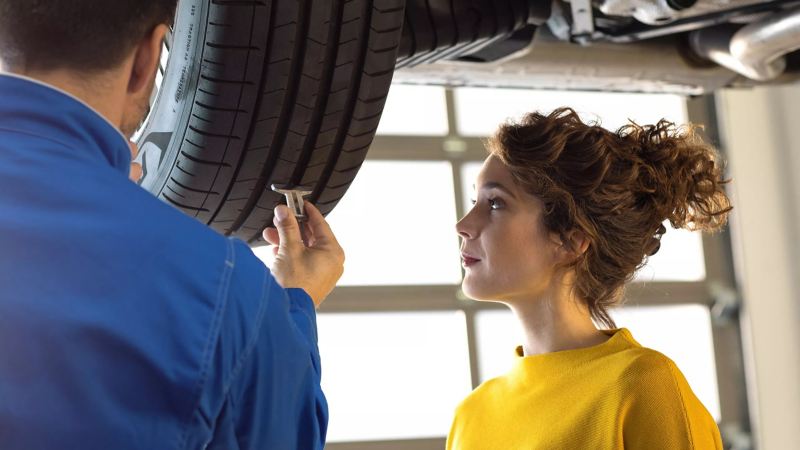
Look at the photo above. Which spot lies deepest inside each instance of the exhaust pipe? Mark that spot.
(757, 50)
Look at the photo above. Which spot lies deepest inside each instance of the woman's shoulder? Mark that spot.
(649, 375)
(660, 402)
(623, 358)
(647, 360)
(645, 365)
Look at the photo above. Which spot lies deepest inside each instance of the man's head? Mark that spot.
(88, 47)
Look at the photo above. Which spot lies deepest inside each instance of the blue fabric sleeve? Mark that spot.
(304, 316)
(271, 397)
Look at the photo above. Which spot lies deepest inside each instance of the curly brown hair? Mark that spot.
(617, 188)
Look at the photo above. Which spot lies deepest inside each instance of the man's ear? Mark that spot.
(146, 59)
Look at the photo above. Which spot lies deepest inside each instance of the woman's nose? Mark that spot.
(462, 228)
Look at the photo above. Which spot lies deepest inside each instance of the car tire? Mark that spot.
(263, 92)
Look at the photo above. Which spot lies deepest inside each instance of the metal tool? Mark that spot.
(294, 199)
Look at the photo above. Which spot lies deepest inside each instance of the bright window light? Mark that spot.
(469, 175)
(397, 225)
(498, 335)
(393, 375)
(414, 110)
(680, 258)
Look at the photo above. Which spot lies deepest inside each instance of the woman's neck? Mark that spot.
(555, 321)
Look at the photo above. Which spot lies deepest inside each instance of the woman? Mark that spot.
(565, 213)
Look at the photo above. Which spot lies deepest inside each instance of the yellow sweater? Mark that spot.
(616, 395)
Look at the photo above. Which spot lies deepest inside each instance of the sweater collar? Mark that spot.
(32, 107)
(618, 339)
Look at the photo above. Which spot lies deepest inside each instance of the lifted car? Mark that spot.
(253, 93)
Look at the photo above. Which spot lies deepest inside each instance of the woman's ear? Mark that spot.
(572, 245)
(579, 241)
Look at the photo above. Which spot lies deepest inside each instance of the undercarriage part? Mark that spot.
(622, 30)
(478, 30)
(653, 66)
(582, 18)
(515, 43)
(756, 50)
(659, 12)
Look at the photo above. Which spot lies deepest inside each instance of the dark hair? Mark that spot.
(616, 187)
(85, 35)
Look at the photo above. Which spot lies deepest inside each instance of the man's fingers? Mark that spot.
(271, 235)
(308, 234)
(319, 227)
(134, 149)
(135, 173)
(288, 229)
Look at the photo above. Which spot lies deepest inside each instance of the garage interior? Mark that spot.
(399, 323)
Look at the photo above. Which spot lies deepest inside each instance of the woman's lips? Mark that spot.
(468, 260)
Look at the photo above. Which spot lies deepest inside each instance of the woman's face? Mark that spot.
(507, 253)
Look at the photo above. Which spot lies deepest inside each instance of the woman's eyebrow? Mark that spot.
(497, 185)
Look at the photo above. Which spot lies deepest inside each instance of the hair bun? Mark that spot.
(679, 175)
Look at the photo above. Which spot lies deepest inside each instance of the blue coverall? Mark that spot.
(125, 324)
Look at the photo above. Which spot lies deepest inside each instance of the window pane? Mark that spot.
(690, 345)
(397, 225)
(498, 335)
(480, 110)
(396, 232)
(415, 110)
(680, 258)
(469, 173)
(393, 375)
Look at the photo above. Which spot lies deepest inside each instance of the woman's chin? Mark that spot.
(475, 291)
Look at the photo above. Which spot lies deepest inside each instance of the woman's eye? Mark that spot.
(494, 203)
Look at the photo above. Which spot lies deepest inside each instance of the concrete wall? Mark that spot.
(760, 130)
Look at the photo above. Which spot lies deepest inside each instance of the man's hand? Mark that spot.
(136, 169)
(316, 267)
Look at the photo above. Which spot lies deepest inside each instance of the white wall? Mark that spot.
(760, 130)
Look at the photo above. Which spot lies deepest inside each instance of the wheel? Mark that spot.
(260, 92)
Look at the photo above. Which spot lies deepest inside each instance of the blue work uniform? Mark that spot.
(125, 324)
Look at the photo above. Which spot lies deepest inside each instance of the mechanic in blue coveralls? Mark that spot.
(125, 324)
